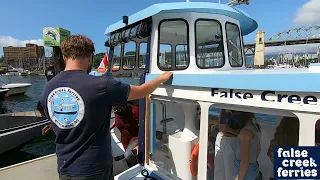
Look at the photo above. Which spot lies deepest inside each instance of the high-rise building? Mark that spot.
(24, 57)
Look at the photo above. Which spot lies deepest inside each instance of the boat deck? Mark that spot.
(45, 166)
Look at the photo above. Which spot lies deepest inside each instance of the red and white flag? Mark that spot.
(103, 67)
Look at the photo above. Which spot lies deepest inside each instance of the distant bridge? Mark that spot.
(301, 35)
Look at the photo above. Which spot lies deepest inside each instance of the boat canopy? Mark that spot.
(248, 24)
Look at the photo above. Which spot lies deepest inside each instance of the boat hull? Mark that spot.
(23, 74)
(12, 74)
(19, 128)
(16, 137)
(17, 88)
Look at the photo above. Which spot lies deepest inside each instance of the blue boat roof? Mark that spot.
(247, 24)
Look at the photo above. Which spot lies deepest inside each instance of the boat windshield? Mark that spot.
(209, 44)
(173, 45)
(129, 58)
(116, 58)
(234, 45)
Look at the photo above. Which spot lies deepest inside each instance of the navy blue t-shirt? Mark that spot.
(79, 107)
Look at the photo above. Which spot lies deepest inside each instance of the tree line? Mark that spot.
(98, 57)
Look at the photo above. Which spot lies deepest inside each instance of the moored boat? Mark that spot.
(18, 128)
(16, 88)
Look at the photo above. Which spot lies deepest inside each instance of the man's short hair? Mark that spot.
(77, 46)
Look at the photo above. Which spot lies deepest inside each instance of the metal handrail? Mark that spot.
(238, 2)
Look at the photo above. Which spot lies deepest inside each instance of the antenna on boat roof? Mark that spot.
(125, 20)
(237, 2)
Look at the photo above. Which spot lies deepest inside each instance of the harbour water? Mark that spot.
(44, 145)
(40, 146)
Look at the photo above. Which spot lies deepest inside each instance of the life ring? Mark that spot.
(194, 158)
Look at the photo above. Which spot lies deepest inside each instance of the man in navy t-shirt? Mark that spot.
(79, 107)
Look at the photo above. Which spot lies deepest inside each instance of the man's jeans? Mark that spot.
(105, 175)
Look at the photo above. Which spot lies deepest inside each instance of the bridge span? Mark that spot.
(296, 36)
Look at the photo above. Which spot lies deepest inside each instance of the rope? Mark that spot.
(146, 176)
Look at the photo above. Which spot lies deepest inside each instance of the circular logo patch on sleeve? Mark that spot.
(65, 107)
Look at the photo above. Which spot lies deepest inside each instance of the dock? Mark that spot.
(37, 169)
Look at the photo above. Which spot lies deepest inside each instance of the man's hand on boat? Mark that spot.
(147, 88)
(46, 129)
(165, 77)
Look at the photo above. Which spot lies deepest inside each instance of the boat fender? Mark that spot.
(194, 158)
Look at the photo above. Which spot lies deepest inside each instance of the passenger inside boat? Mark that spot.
(248, 146)
(127, 121)
(287, 134)
(225, 145)
(243, 121)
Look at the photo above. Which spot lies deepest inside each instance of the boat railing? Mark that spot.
(238, 2)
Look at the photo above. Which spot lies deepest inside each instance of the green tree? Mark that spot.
(2, 58)
(97, 59)
(130, 53)
(268, 62)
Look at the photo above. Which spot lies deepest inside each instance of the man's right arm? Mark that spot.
(147, 88)
(143, 90)
(119, 93)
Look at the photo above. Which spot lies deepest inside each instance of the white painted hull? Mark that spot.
(12, 73)
(17, 88)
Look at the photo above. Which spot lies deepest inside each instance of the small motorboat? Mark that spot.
(16, 88)
(18, 128)
(12, 72)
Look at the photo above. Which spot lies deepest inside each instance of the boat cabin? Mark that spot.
(179, 39)
(202, 44)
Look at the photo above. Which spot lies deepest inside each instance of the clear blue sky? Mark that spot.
(24, 19)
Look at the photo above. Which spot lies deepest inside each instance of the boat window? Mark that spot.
(182, 56)
(209, 44)
(269, 130)
(142, 55)
(234, 45)
(165, 56)
(166, 127)
(116, 60)
(129, 58)
(173, 45)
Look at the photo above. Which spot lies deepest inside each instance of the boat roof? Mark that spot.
(247, 24)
